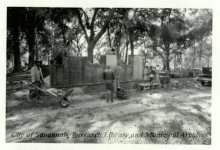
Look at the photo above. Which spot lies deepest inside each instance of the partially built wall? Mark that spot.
(77, 71)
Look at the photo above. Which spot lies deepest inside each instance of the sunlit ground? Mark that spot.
(166, 116)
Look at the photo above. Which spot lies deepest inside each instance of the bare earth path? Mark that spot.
(166, 116)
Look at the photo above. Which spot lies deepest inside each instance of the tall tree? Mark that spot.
(61, 17)
(13, 27)
(200, 35)
(99, 20)
(33, 21)
(167, 28)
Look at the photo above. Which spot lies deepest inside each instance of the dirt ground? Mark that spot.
(162, 116)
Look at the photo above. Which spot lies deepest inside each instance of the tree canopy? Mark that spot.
(164, 33)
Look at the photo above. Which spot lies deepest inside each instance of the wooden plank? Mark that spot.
(75, 70)
(144, 84)
(59, 76)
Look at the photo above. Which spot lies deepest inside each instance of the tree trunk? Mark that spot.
(164, 65)
(126, 52)
(131, 42)
(117, 41)
(64, 37)
(167, 58)
(90, 50)
(92, 39)
(175, 62)
(36, 50)
(168, 64)
(194, 53)
(200, 57)
(109, 38)
(16, 49)
(31, 43)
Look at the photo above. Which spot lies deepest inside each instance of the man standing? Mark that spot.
(36, 78)
(109, 77)
(117, 75)
(154, 77)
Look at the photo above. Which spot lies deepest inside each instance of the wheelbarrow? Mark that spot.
(64, 101)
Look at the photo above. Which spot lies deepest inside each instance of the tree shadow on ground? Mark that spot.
(139, 115)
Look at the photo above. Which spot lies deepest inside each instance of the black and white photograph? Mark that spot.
(109, 75)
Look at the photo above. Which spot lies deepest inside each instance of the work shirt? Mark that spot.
(152, 73)
(108, 75)
(36, 74)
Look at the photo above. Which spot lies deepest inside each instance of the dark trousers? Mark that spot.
(110, 90)
(151, 82)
